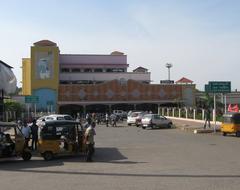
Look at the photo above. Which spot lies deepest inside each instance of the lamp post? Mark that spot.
(169, 65)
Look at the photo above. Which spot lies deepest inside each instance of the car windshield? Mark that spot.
(147, 116)
(157, 117)
(134, 114)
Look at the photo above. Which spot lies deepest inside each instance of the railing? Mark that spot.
(186, 113)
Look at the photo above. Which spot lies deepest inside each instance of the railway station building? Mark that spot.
(73, 83)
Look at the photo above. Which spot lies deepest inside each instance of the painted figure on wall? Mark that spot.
(44, 65)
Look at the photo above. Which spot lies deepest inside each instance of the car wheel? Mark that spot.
(224, 133)
(129, 124)
(170, 125)
(48, 155)
(143, 127)
(26, 156)
(153, 126)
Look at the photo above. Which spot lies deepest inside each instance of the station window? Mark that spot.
(65, 70)
(98, 70)
(76, 70)
(87, 70)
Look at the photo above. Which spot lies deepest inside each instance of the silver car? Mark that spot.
(155, 121)
(135, 118)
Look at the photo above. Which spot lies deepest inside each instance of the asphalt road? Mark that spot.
(132, 158)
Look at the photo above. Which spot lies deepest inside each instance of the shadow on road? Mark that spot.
(103, 155)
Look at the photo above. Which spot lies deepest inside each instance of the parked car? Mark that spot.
(135, 118)
(120, 113)
(155, 121)
(53, 117)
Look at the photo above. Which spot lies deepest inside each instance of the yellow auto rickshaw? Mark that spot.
(60, 137)
(231, 124)
(12, 142)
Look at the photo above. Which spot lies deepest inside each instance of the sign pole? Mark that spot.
(28, 111)
(35, 110)
(214, 112)
(225, 103)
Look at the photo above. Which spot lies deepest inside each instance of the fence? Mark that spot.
(187, 113)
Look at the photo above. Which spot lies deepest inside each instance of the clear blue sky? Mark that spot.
(201, 38)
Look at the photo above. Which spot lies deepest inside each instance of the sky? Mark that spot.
(200, 38)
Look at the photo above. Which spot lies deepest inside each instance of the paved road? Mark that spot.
(132, 158)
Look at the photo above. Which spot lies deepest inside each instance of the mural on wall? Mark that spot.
(44, 65)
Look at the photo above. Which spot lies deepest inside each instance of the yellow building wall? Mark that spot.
(53, 81)
(26, 76)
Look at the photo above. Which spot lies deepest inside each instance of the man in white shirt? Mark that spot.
(26, 131)
(89, 140)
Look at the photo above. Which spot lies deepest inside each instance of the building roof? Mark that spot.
(78, 59)
(5, 64)
(184, 80)
(117, 53)
(45, 43)
(140, 68)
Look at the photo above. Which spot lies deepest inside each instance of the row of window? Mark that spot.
(98, 70)
(89, 82)
(81, 82)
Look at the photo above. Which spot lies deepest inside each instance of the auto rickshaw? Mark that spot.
(12, 142)
(231, 124)
(60, 138)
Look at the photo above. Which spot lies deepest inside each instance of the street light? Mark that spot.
(169, 65)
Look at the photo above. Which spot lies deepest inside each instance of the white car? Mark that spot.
(135, 118)
(53, 117)
(155, 121)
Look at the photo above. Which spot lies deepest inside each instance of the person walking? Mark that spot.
(26, 131)
(207, 118)
(89, 140)
(107, 119)
(34, 130)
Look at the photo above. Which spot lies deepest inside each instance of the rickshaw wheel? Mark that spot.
(238, 134)
(26, 156)
(224, 133)
(48, 155)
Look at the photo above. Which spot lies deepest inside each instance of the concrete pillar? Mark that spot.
(84, 110)
(159, 109)
(214, 116)
(186, 111)
(194, 114)
(163, 111)
(179, 112)
(110, 108)
(167, 111)
(6, 116)
(173, 112)
(203, 114)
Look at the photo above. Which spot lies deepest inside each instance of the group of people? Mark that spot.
(30, 132)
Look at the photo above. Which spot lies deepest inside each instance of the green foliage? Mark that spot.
(10, 105)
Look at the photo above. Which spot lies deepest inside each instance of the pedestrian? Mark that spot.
(114, 120)
(26, 131)
(207, 118)
(34, 129)
(107, 119)
(89, 140)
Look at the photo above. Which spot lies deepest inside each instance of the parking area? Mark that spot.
(128, 157)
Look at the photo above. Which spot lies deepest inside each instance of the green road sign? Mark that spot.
(207, 88)
(31, 99)
(219, 86)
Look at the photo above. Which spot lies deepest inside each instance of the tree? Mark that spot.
(13, 106)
